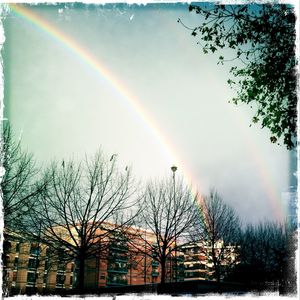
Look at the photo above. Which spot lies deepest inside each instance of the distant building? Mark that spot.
(198, 263)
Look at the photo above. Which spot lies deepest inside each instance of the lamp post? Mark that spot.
(174, 169)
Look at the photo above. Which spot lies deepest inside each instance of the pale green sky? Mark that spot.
(62, 109)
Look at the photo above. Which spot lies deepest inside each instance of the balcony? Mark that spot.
(154, 274)
(195, 274)
(115, 280)
(155, 263)
(195, 267)
(179, 258)
(118, 270)
(117, 283)
(118, 247)
(117, 258)
(180, 278)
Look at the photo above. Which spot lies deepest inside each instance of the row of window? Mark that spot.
(35, 249)
(33, 263)
(32, 277)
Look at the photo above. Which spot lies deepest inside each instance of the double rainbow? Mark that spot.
(97, 66)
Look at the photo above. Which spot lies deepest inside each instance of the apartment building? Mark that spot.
(198, 263)
(121, 265)
(30, 267)
(197, 266)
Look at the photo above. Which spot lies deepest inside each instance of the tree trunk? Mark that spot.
(163, 272)
(216, 266)
(80, 271)
(218, 273)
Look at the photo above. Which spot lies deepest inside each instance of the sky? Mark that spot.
(177, 111)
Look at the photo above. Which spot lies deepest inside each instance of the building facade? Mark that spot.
(31, 267)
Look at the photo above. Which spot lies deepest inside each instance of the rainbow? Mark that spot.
(99, 68)
(266, 178)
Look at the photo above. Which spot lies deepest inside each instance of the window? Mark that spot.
(7, 246)
(48, 252)
(16, 262)
(61, 263)
(30, 277)
(61, 253)
(14, 276)
(45, 278)
(18, 247)
(46, 264)
(32, 263)
(61, 266)
(34, 249)
(60, 279)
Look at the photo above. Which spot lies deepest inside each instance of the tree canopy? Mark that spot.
(82, 209)
(167, 210)
(263, 39)
(219, 227)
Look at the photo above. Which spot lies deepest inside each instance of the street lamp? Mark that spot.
(174, 169)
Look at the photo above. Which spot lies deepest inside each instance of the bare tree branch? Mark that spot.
(165, 215)
(19, 184)
(80, 206)
(218, 228)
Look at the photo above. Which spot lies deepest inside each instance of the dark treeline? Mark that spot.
(77, 209)
(267, 256)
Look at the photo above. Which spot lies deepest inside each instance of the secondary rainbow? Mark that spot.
(125, 95)
(266, 178)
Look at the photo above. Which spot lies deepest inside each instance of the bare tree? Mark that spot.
(166, 212)
(19, 184)
(82, 209)
(219, 229)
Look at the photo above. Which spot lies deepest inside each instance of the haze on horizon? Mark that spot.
(63, 109)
